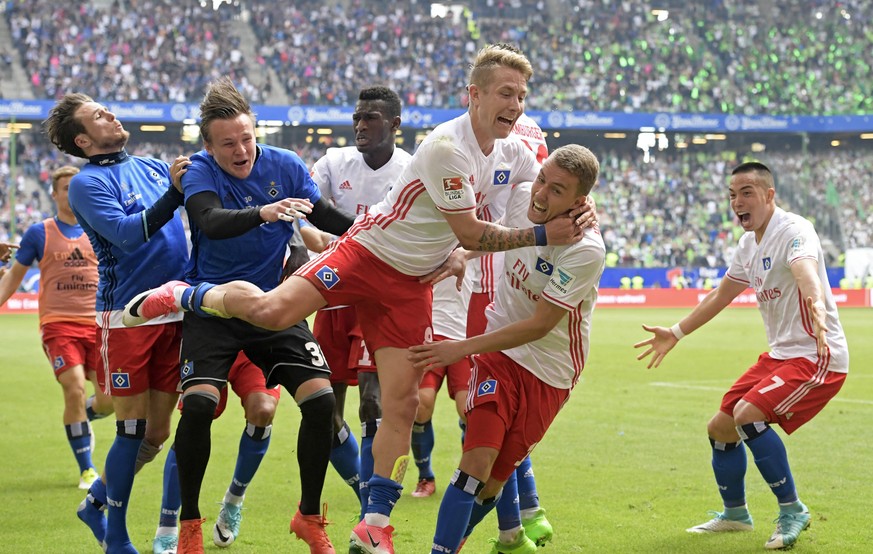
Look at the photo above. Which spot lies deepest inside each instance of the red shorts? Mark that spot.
(70, 344)
(339, 335)
(476, 313)
(137, 359)
(244, 378)
(509, 409)
(789, 392)
(395, 307)
(458, 373)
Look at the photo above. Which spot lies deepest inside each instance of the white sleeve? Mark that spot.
(802, 243)
(321, 174)
(445, 172)
(737, 271)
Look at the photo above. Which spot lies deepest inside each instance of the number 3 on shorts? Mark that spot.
(317, 356)
(777, 382)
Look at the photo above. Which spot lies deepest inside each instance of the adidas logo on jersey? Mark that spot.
(345, 185)
(76, 259)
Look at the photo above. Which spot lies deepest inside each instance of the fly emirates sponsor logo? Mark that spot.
(517, 278)
(765, 295)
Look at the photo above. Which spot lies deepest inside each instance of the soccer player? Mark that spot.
(781, 258)
(377, 265)
(67, 292)
(354, 178)
(449, 323)
(532, 352)
(127, 207)
(241, 198)
(259, 403)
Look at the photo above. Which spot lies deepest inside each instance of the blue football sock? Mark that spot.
(253, 446)
(528, 498)
(368, 431)
(345, 458)
(771, 459)
(79, 435)
(508, 513)
(120, 465)
(455, 510)
(192, 299)
(422, 448)
(384, 494)
(729, 465)
(171, 500)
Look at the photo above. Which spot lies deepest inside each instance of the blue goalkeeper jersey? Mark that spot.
(257, 255)
(109, 201)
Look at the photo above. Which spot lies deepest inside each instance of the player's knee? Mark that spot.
(318, 406)
(199, 404)
(722, 428)
(260, 409)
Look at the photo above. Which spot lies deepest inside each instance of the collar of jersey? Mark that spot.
(104, 160)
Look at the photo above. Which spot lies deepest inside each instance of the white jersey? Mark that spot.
(482, 271)
(450, 309)
(448, 174)
(566, 276)
(766, 267)
(346, 180)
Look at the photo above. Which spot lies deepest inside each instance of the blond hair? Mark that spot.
(498, 55)
(60, 173)
(580, 162)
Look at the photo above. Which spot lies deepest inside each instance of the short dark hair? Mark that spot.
(222, 101)
(61, 126)
(579, 162)
(759, 169)
(386, 95)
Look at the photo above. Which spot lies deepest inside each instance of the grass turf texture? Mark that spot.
(625, 468)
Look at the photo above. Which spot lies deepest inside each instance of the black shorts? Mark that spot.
(211, 344)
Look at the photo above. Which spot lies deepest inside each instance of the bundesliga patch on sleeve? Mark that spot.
(562, 280)
(798, 245)
(453, 188)
(327, 276)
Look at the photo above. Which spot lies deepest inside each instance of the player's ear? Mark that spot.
(580, 200)
(82, 141)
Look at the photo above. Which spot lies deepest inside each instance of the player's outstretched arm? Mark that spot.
(805, 272)
(11, 280)
(663, 339)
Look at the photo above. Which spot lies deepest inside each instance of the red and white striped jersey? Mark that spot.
(448, 174)
(481, 272)
(566, 276)
(766, 267)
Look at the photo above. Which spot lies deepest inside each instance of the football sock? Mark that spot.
(729, 465)
(508, 514)
(422, 448)
(120, 464)
(253, 446)
(455, 510)
(89, 410)
(345, 458)
(193, 445)
(368, 431)
(771, 459)
(79, 436)
(528, 498)
(147, 453)
(97, 494)
(191, 299)
(171, 499)
(384, 494)
(313, 447)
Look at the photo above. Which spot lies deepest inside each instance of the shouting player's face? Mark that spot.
(232, 144)
(500, 102)
(554, 192)
(752, 201)
(103, 134)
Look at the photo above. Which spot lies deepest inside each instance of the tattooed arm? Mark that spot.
(474, 234)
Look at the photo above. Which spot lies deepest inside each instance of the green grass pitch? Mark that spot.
(625, 468)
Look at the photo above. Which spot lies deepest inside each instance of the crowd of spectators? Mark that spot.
(604, 55)
(131, 50)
